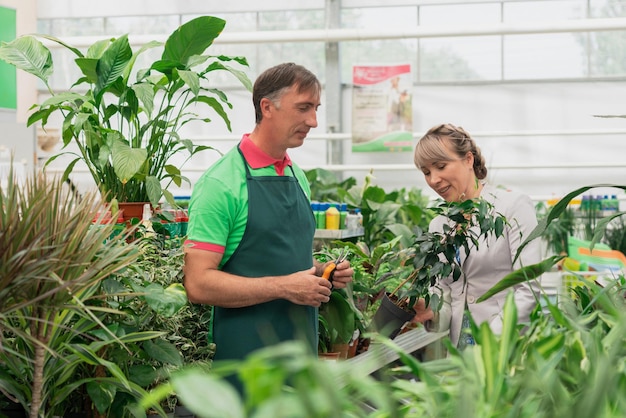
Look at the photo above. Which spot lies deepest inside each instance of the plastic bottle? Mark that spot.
(605, 205)
(321, 216)
(343, 214)
(584, 204)
(352, 220)
(614, 205)
(315, 207)
(598, 204)
(332, 217)
(359, 216)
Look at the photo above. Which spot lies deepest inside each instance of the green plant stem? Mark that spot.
(405, 301)
(41, 329)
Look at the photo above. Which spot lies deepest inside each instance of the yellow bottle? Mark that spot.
(332, 217)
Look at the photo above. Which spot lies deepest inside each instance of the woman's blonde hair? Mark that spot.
(431, 147)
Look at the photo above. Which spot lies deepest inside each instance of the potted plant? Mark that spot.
(124, 123)
(340, 320)
(435, 256)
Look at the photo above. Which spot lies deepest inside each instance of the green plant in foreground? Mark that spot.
(127, 130)
(51, 262)
(568, 361)
(148, 296)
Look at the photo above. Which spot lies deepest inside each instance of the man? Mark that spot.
(250, 239)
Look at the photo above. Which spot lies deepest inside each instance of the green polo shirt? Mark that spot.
(218, 209)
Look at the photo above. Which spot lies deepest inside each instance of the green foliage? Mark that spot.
(325, 185)
(283, 380)
(437, 254)
(127, 131)
(385, 215)
(52, 261)
(561, 206)
(568, 361)
(615, 234)
(149, 296)
(340, 317)
(556, 233)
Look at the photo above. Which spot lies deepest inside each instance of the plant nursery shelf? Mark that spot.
(339, 233)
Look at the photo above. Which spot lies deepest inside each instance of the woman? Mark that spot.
(454, 167)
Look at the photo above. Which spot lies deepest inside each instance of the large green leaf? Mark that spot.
(89, 67)
(198, 390)
(127, 161)
(154, 189)
(192, 38)
(163, 351)
(28, 54)
(522, 275)
(216, 105)
(191, 79)
(166, 301)
(240, 75)
(101, 394)
(112, 63)
(143, 375)
(145, 93)
(339, 317)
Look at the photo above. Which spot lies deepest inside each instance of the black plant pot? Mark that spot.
(182, 412)
(389, 318)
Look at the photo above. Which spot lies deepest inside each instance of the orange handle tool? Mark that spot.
(329, 271)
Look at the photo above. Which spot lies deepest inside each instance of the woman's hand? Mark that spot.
(422, 313)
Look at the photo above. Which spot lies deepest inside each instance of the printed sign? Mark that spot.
(382, 116)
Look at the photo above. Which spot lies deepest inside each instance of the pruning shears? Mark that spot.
(329, 271)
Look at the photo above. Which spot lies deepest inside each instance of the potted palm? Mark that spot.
(52, 260)
(125, 124)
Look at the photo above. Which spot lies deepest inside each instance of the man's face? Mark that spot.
(294, 116)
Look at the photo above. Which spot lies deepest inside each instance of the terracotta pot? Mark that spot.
(352, 348)
(131, 210)
(333, 356)
(342, 349)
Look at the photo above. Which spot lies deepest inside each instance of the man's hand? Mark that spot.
(306, 288)
(343, 275)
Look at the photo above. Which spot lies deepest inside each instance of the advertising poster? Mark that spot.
(381, 108)
(8, 92)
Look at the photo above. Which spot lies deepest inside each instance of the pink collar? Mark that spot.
(256, 158)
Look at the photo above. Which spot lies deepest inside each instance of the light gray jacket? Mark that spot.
(487, 265)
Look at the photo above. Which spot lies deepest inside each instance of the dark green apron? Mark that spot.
(278, 241)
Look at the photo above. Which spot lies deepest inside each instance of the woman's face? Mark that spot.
(453, 179)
